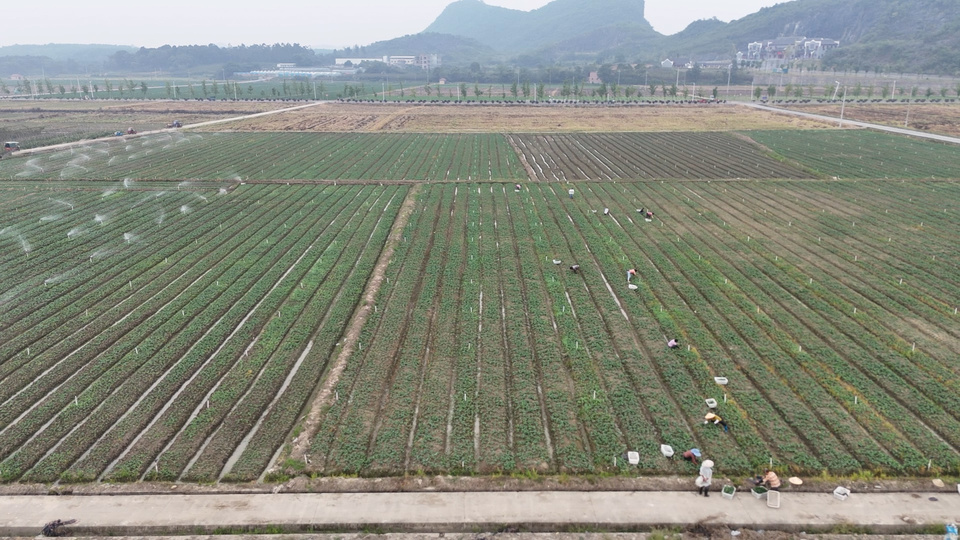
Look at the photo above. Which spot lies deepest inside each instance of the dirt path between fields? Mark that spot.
(352, 334)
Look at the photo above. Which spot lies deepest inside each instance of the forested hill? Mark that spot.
(515, 32)
(892, 35)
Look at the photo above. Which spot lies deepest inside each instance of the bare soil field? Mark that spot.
(336, 117)
(38, 123)
(942, 118)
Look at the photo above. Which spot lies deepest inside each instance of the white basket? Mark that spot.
(633, 458)
(632, 287)
(712, 403)
(759, 495)
(841, 493)
(726, 495)
(666, 450)
(773, 499)
(720, 380)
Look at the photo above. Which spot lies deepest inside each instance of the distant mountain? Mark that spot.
(453, 49)
(893, 35)
(513, 31)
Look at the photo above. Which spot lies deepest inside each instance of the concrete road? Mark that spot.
(477, 511)
(879, 127)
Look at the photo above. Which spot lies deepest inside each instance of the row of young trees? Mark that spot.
(27, 87)
(527, 90)
(857, 91)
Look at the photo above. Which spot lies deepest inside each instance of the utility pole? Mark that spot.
(729, 74)
(843, 104)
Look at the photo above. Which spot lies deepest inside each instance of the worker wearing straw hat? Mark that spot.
(716, 419)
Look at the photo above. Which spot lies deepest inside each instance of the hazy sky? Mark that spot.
(323, 23)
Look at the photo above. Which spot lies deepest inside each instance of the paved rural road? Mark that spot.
(469, 511)
(890, 129)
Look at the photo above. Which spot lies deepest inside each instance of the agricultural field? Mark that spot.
(424, 118)
(942, 118)
(571, 157)
(279, 156)
(40, 123)
(421, 315)
(168, 330)
(863, 153)
(828, 306)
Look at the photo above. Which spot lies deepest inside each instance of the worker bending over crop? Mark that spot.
(716, 419)
(575, 269)
(630, 273)
(673, 343)
(769, 479)
(691, 455)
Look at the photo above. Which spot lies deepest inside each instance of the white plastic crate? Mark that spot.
(666, 450)
(728, 492)
(773, 499)
(841, 493)
(712, 403)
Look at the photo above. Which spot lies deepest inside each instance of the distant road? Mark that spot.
(890, 129)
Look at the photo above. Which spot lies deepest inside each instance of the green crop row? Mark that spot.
(281, 156)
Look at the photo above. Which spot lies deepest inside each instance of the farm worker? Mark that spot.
(570, 192)
(630, 273)
(692, 455)
(518, 187)
(706, 476)
(769, 479)
(606, 211)
(649, 215)
(673, 343)
(575, 268)
(641, 211)
(716, 420)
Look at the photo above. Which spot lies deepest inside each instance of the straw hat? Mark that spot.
(709, 416)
